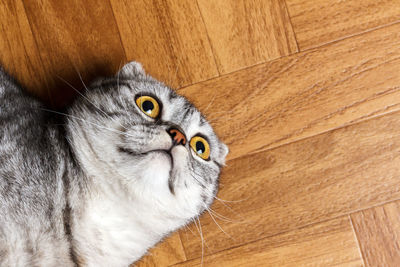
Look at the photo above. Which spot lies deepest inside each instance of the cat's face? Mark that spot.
(148, 141)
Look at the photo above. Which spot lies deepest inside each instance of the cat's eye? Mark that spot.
(148, 105)
(201, 147)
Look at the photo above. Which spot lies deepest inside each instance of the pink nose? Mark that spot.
(177, 136)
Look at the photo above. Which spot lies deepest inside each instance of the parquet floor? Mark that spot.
(306, 93)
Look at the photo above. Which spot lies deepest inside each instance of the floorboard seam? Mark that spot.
(356, 239)
(298, 228)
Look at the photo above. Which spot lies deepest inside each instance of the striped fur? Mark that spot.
(104, 183)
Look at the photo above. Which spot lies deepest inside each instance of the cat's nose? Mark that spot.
(177, 136)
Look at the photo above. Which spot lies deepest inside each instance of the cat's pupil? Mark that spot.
(200, 148)
(147, 106)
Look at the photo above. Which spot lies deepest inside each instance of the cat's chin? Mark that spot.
(161, 163)
(162, 158)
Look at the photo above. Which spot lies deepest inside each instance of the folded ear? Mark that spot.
(131, 70)
(224, 150)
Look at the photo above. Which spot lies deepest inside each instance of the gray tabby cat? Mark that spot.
(132, 162)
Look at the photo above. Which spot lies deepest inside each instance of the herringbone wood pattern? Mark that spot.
(305, 93)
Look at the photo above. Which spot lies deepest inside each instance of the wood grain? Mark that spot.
(168, 37)
(244, 33)
(330, 243)
(378, 231)
(305, 94)
(318, 22)
(168, 252)
(314, 136)
(19, 54)
(305, 182)
(75, 36)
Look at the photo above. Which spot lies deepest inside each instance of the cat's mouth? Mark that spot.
(133, 153)
(166, 153)
(159, 151)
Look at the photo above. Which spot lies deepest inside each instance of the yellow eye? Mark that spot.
(201, 147)
(148, 105)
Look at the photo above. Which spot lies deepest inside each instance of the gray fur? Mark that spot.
(60, 174)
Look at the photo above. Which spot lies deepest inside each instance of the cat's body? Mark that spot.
(110, 183)
(33, 159)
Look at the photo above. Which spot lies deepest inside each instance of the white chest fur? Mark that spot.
(113, 231)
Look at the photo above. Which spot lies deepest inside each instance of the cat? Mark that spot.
(131, 162)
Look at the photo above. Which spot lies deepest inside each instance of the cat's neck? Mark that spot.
(112, 229)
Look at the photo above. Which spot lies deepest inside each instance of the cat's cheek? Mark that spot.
(189, 200)
(142, 139)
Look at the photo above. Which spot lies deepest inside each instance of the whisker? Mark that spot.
(220, 216)
(215, 221)
(118, 71)
(227, 219)
(205, 243)
(224, 218)
(202, 184)
(80, 77)
(187, 227)
(228, 207)
(202, 240)
(231, 201)
(168, 80)
(209, 104)
(176, 73)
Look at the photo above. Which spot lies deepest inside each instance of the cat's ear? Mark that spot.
(224, 150)
(131, 70)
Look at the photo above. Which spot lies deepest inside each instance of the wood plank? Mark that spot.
(330, 243)
(244, 33)
(305, 94)
(75, 36)
(168, 38)
(378, 231)
(168, 252)
(319, 22)
(309, 181)
(19, 55)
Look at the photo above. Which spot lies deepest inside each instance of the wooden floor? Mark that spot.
(305, 93)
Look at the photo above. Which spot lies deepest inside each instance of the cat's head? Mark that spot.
(143, 139)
